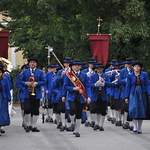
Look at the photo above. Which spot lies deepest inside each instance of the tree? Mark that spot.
(64, 24)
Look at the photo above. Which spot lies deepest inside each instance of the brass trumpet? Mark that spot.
(30, 88)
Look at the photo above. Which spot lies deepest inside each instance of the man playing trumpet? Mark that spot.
(32, 96)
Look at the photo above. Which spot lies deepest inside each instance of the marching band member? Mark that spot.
(89, 71)
(61, 96)
(76, 95)
(109, 72)
(122, 81)
(49, 78)
(98, 82)
(32, 79)
(10, 87)
(117, 101)
(21, 89)
(112, 94)
(55, 98)
(137, 87)
(5, 98)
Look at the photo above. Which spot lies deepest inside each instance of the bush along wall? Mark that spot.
(14, 75)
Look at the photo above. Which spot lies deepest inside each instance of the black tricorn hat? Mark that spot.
(137, 63)
(92, 60)
(75, 62)
(67, 60)
(33, 59)
(98, 65)
(129, 61)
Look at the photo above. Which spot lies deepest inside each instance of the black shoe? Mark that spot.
(120, 123)
(35, 129)
(27, 129)
(95, 127)
(117, 123)
(47, 119)
(101, 128)
(2, 130)
(92, 124)
(82, 122)
(134, 131)
(74, 133)
(67, 129)
(71, 128)
(131, 128)
(126, 126)
(87, 124)
(113, 120)
(59, 125)
(77, 134)
(30, 127)
(109, 118)
(51, 120)
(63, 128)
(139, 132)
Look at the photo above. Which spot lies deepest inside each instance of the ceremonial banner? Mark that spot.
(99, 44)
(74, 79)
(4, 44)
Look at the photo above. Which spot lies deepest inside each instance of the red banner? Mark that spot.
(74, 79)
(99, 45)
(4, 44)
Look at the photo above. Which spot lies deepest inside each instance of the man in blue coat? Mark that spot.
(109, 72)
(49, 78)
(21, 89)
(98, 82)
(86, 114)
(32, 79)
(74, 96)
(89, 70)
(122, 82)
(62, 103)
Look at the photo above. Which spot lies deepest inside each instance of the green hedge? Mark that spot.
(14, 74)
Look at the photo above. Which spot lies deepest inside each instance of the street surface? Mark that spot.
(50, 138)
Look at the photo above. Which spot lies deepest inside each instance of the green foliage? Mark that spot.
(14, 75)
(64, 24)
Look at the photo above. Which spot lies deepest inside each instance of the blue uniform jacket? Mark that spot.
(117, 90)
(85, 70)
(61, 90)
(60, 83)
(108, 69)
(112, 88)
(9, 81)
(107, 88)
(131, 83)
(122, 81)
(38, 77)
(49, 78)
(95, 90)
(20, 87)
(69, 87)
(5, 89)
(54, 90)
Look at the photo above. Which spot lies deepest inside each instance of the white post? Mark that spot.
(13, 57)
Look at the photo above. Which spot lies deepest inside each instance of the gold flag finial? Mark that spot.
(99, 24)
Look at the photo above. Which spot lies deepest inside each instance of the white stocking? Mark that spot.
(135, 124)
(140, 125)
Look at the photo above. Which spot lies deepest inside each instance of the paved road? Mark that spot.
(50, 138)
